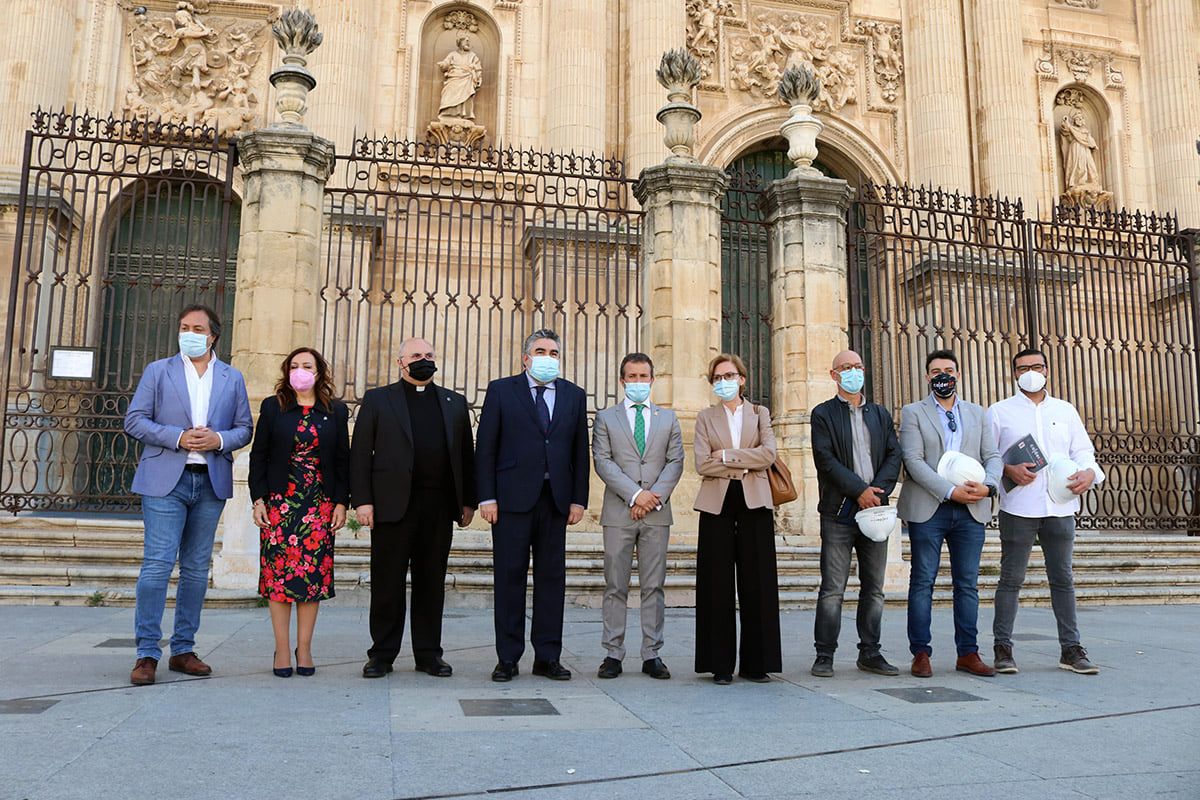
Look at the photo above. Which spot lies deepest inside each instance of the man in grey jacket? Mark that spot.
(638, 451)
(938, 510)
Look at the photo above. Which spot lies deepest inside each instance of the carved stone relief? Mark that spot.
(193, 67)
(885, 55)
(703, 30)
(777, 41)
(1080, 63)
(1079, 3)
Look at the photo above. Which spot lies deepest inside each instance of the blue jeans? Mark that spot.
(953, 524)
(179, 526)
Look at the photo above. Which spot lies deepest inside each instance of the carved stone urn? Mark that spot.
(298, 35)
(679, 72)
(798, 88)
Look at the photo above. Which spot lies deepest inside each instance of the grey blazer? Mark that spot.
(624, 472)
(922, 445)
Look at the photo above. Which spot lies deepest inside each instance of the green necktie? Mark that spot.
(639, 429)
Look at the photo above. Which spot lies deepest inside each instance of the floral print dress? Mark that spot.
(297, 545)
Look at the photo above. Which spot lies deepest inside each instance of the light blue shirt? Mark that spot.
(951, 439)
(549, 395)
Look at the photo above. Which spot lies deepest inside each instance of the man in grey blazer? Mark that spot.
(190, 412)
(938, 511)
(638, 451)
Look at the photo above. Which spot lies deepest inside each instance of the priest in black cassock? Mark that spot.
(412, 477)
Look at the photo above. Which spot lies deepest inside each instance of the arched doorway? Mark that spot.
(745, 257)
(173, 243)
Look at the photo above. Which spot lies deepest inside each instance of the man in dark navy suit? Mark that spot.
(532, 468)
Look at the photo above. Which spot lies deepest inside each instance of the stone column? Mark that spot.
(35, 69)
(1172, 105)
(1008, 149)
(346, 63)
(654, 26)
(681, 290)
(936, 83)
(574, 99)
(809, 309)
(285, 167)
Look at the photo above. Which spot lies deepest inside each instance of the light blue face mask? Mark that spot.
(852, 380)
(726, 389)
(543, 368)
(637, 392)
(193, 345)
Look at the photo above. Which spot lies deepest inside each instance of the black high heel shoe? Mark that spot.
(280, 672)
(307, 672)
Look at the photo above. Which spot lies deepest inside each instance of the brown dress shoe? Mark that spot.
(143, 672)
(921, 667)
(973, 664)
(189, 664)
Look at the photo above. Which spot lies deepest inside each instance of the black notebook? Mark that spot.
(1023, 451)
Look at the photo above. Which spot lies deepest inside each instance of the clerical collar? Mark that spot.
(419, 388)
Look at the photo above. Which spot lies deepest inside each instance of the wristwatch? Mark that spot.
(992, 490)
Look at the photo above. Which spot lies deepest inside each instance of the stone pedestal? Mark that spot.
(809, 309)
(681, 291)
(278, 275)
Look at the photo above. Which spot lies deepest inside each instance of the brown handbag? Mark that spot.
(783, 490)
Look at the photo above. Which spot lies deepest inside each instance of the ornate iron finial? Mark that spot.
(679, 71)
(799, 86)
(298, 35)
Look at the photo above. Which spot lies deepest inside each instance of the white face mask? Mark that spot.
(1032, 382)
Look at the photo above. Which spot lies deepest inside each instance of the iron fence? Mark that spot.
(1111, 297)
(746, 278)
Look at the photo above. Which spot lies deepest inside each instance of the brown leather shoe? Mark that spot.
(921, 667)
(189, 664)
(143, 671)
(973, 664)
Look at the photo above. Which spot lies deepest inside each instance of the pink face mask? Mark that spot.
(302, 380)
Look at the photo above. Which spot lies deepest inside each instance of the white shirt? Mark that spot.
(735, 425)
(199, 393)
(548, 395)
(1056, 427)
(631, 414)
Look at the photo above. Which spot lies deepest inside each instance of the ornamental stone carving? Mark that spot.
(1081, 173)
(191, 67)
(884, 55)
(777, 41)
(461, 20)
(1080, 63)
(1079, 3)
(703, 30)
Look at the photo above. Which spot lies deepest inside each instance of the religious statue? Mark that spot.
(463, 75)
(1081, 175)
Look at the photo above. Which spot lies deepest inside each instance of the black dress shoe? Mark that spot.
(374, 668)
(877, 664)
(823, 667)
(609, 668)
(436, 667)
(755, 677)
(552, 670)
(655, 668)
(721, 679)
(505, 671)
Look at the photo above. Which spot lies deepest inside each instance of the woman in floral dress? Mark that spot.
(300, 484)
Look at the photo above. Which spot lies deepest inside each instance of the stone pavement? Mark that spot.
(73, 728)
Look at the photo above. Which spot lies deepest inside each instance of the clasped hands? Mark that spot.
(199, 440)
(646, 502)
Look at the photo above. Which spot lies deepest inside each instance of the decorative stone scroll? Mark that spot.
(192, 67)
(1079, 3)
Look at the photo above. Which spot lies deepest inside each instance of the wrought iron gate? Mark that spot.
(474, 249)
(1110, 297)
(120, 223)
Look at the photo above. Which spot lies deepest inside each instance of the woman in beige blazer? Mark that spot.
(735, 560)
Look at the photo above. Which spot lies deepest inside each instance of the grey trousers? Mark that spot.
(1057, 538)
(650, 542)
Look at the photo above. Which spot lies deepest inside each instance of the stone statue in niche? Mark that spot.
(462, 75)
(1081, 174)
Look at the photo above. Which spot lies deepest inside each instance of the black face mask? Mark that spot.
(422, 370)
(943, 385)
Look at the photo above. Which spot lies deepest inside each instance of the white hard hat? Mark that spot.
(1058, 471)
(958, 468)
(876, 523)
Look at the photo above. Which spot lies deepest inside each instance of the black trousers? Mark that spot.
(420, 541)
(541, 531)
(736, 552)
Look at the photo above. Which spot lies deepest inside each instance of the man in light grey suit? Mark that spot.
(190, 412)
(938, 511)
(638, 451)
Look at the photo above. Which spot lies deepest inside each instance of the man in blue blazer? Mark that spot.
(532, 466)
(190, 411)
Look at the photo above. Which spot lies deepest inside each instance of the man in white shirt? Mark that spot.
(1028, 513)
(638, 451)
